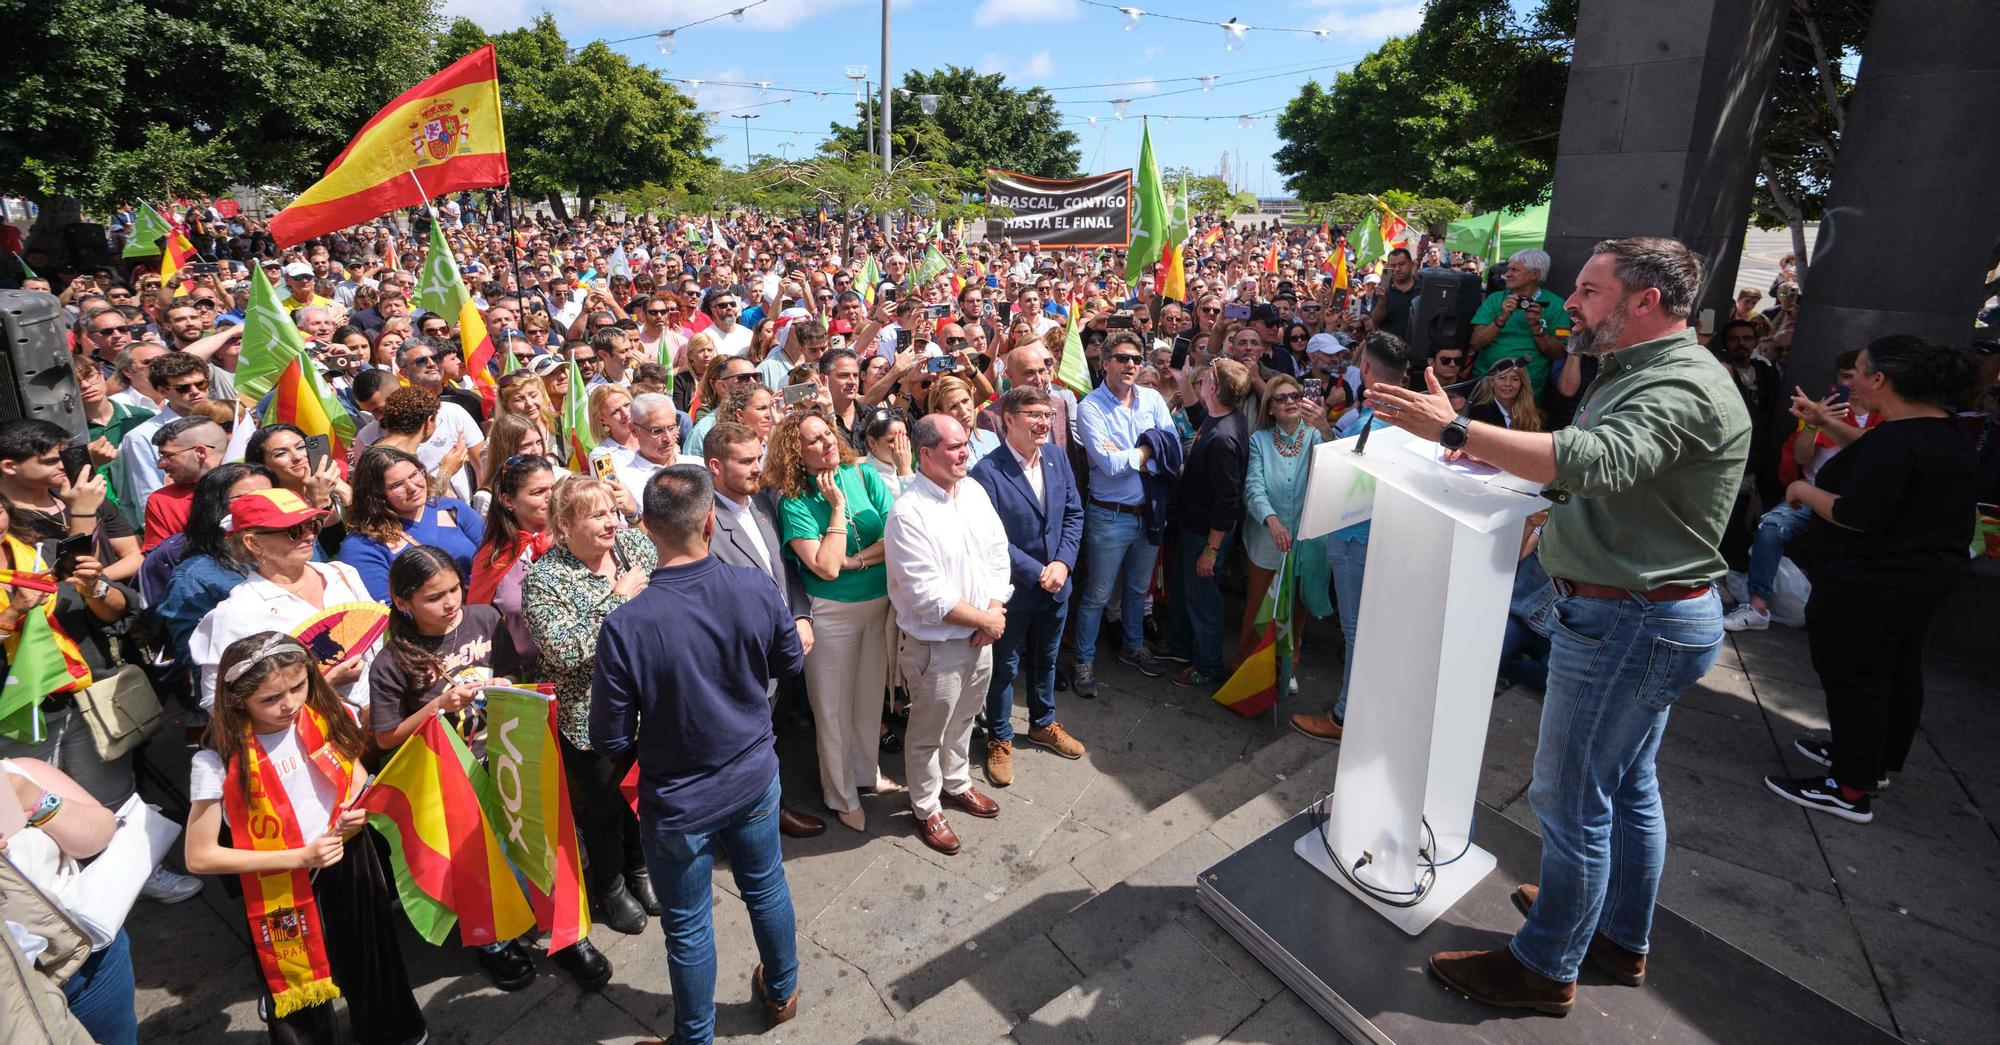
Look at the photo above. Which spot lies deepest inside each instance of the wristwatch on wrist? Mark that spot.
(1454, 435)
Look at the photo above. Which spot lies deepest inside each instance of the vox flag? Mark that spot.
(440, 136)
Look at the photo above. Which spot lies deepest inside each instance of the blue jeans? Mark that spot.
(1616, 666)
(1194, 619)
(1347, 559)
(1774, 530)
(1114, 545)
(1027, 651)
(681, 864)
(101, 996)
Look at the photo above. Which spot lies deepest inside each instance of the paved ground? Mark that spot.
(1071, 916)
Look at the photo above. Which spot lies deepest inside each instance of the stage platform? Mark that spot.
(1369, 979)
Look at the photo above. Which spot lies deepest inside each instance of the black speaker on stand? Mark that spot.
(1447, 299)
(35, 375)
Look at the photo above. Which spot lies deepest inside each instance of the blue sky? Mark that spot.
(807, 44)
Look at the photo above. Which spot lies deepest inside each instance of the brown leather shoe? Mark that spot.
(799, 825)
(1000, 762)
(1057, 739)
(972, 802)
(1498, 978)
(779, 1012)
(1319, 727)
(1611, 959)
(937, 833)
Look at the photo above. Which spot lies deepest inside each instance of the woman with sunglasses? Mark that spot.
(195, 567)
(273, 533)
(1505, 400)
(394, 508)
(1274, 495)
(1296, 335)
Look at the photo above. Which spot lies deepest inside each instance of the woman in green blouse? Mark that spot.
(831, 519)
(597, 563)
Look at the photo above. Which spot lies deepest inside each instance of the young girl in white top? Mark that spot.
(279, 766)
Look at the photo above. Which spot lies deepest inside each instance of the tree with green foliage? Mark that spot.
(980, 122)
(1809, 98)
(1467, 108)
(586, 120)
(148, 99)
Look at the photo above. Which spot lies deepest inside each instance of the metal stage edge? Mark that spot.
(1369, 979)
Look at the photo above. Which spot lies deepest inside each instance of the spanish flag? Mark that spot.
(448, 862)
(178, 252)
(1254, 687)
(440, 136)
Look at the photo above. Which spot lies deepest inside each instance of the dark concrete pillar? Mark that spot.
(1662, 129)
(1913, 214)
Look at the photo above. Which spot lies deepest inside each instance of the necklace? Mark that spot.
(1288, 445)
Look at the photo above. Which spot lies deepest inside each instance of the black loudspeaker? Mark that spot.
(1447, 299)
(35, 375)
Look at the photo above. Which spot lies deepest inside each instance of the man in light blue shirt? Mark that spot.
(1110, 421)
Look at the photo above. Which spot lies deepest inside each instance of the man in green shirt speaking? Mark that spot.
(1643, 484)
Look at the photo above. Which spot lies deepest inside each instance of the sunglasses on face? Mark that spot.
(1288, 397)
(189, 386)
(657, 311)
(415, 362)
(1210, 311)
(295, 532)
(1128, 358)
(108, 331)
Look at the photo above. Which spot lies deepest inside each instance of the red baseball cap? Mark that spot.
(269, 510)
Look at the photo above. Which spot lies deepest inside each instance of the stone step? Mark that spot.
(1081, 919)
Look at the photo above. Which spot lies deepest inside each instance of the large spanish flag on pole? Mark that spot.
(440, 136)
(448, 863)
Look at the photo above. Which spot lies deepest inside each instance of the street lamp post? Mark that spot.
(888, 93)
(746, 118)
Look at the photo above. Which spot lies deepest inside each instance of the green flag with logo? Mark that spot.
(270, 341)
(1073, 371)
(1149, 223)
(439, 288)
(148, 229)
(36, 671)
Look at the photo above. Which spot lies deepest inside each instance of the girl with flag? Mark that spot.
(439, 656)
(278, 765)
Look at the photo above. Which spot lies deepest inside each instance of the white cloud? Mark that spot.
(1015, 12)
(1038, 66)
(1151, 52)
(1143, 85)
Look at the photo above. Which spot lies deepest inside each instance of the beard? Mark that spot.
(1596, 340)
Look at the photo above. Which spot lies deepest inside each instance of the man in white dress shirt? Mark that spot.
(949, 579)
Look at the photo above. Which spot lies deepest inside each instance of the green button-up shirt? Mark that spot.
(1652, 467)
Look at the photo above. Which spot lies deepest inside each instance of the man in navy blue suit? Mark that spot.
(1030, 484)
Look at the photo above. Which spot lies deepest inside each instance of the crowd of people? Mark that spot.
(944, 530)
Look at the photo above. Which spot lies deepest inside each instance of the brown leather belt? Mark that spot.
(1128, 509)
(1663, 593)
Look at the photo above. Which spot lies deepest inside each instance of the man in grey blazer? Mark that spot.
(746, 534)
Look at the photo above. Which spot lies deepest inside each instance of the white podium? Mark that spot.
(1442, 550)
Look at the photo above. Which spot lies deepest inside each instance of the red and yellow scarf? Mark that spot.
(284, 916)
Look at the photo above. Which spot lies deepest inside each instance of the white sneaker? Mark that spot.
(165, 886)
(1746, 617)
(1294, 689)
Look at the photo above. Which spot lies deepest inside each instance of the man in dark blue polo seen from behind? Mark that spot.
(682, 672)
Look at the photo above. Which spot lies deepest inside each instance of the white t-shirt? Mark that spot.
(312, 796)
(734, 343)
(453, 422)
